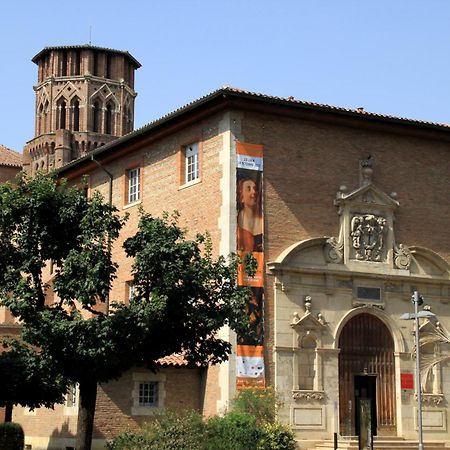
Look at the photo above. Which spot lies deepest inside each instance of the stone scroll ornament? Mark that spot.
(367, 236)
(402, 257)
(334, 251)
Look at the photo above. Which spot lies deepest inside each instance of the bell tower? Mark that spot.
(84, 99)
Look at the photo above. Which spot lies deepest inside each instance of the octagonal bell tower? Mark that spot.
(84, 99)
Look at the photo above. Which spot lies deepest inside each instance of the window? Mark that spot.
(96, 117)
(61, 118)
(134, 185)
(71, 404)
(71, 397)
(191, 163)
(109, 121)
(131, 291)
(75, 114)
(148, 394)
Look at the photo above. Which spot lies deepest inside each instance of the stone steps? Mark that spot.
(382, 443)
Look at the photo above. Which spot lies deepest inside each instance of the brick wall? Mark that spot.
(8, 173)
(114, 401)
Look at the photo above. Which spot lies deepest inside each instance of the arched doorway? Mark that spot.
(366, 371)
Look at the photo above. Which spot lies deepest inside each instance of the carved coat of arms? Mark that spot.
(367, 236)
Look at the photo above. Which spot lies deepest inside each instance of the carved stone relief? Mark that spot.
(367, 236)
(334, 251)
(366, 232)
(402, 257)
(304, 395)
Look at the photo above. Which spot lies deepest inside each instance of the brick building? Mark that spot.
(10, 164)
(346, 211)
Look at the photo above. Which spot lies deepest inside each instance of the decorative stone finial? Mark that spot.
(366, 171)
(308, 301)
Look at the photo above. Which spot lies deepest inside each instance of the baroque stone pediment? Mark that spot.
(365, 196)
(366, 236)
(308, 322)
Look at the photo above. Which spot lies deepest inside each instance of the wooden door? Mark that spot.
(366, 348)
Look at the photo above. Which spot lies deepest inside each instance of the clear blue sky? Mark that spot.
(389, 56)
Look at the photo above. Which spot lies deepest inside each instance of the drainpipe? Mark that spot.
(110, 204)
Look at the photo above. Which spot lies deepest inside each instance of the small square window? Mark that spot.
(148, 394)
(191, 163)
(134, 185)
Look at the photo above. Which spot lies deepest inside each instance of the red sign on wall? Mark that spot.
(407, 380)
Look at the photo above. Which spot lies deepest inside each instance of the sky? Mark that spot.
(388, 56)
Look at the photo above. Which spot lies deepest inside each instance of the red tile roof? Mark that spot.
(9, 157)
(175, 360)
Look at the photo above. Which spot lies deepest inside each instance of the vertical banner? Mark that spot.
(250, 239)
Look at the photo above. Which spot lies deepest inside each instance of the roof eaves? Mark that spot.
(331, 108)
(88, 47)
(227, 91)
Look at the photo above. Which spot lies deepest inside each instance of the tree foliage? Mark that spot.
(183, 295)
(27, 379)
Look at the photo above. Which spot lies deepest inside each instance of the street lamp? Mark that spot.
(417, 301)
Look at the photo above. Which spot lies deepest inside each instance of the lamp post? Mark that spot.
(417, 301)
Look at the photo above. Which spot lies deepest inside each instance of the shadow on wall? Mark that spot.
(62, 438)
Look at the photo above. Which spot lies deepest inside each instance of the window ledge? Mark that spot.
(189, 184)
(130, 205)
(145, 410)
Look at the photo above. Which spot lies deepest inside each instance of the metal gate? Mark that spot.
(366, 348)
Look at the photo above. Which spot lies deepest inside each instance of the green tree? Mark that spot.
(182, 293)
(27, 379)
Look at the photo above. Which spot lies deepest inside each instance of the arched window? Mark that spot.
(45, 120)
(61, 117)
(96, 117)
(127, 120)
(40, 119)
(75, 114)
(109, 120)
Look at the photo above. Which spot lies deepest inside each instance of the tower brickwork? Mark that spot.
(84, 99)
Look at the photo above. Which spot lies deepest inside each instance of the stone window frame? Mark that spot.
(128, 199)
(138, 379)
(183, 175)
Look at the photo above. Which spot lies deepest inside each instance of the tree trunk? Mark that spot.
(86, 412)
(8, 412)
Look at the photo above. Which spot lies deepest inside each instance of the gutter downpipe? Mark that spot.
(110, 204)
